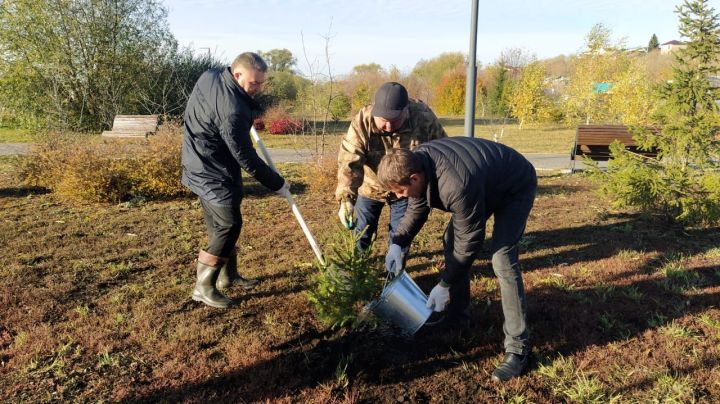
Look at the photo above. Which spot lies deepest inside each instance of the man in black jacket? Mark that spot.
(216, 145)
(473, 179)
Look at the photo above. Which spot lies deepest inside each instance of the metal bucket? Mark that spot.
(402, 303)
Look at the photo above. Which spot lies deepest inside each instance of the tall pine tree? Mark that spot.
(683, 182)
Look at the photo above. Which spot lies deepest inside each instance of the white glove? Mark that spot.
(439, 298)
(346, 213)
(394, 259)
(284, 190)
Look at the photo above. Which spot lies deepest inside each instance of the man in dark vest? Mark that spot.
(473, 179)
(216, 146)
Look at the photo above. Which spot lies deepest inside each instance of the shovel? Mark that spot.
(290, 199)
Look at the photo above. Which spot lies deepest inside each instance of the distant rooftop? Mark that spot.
(673, 42)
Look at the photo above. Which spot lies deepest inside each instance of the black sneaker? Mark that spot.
(512, 366)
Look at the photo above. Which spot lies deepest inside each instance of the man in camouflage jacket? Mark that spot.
(393, 121)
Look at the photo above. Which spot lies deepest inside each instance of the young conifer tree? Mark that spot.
(349, 280)
(683, 182)
(653, 43)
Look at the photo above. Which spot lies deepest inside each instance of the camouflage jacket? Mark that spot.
(364, 145)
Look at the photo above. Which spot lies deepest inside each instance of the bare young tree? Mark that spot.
(319, 94)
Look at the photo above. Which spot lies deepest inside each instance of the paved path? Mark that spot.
(8, 149)
(541, 161)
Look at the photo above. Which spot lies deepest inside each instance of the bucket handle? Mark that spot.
(390, 276)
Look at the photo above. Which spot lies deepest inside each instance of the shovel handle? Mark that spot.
(290, 199)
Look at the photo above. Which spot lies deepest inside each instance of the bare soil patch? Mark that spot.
(96, 306)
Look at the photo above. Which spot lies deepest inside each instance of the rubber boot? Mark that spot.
(229, 276)
(207, 275)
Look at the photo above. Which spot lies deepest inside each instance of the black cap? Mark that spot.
(390, 100)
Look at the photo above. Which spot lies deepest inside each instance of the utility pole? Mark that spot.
(471, 74)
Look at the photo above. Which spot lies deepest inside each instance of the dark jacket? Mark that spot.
(217, 141)
(472, 178)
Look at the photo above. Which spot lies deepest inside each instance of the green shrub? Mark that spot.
(340, 107)
(682, 183)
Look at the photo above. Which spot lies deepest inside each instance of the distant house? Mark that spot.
(671, 46)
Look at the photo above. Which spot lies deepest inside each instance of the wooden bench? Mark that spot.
(133, 126)
(594, 142)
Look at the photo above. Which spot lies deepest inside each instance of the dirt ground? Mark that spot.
(96, 307)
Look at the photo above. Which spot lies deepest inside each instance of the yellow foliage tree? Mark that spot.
(632, 100)
(528, 102)
(449, 96)
(600, 63)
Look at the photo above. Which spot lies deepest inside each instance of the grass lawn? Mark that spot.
(540, 138)
(96, 307)
(536, 138)
(543, 138)
(9, 135)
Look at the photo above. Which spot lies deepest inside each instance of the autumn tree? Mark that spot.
(430, 72)
(632, 100)
(450, 94)
(528, 102)
(598, 64)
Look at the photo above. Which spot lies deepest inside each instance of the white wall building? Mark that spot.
(671, 46)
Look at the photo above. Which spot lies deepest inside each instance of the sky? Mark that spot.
(402, 32)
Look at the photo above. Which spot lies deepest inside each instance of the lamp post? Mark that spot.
(471, 74)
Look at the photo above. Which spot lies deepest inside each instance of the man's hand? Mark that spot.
(346, 213)
(394, 259)
(439, 297)
(284, 190)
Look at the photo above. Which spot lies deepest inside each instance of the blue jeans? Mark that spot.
(367, 214)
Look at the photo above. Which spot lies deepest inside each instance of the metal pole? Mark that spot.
(471, 74)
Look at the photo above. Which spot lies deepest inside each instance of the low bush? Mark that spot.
(159, 166)
(275, 113)
(321, 175)
(90, 169)
(285, 126)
